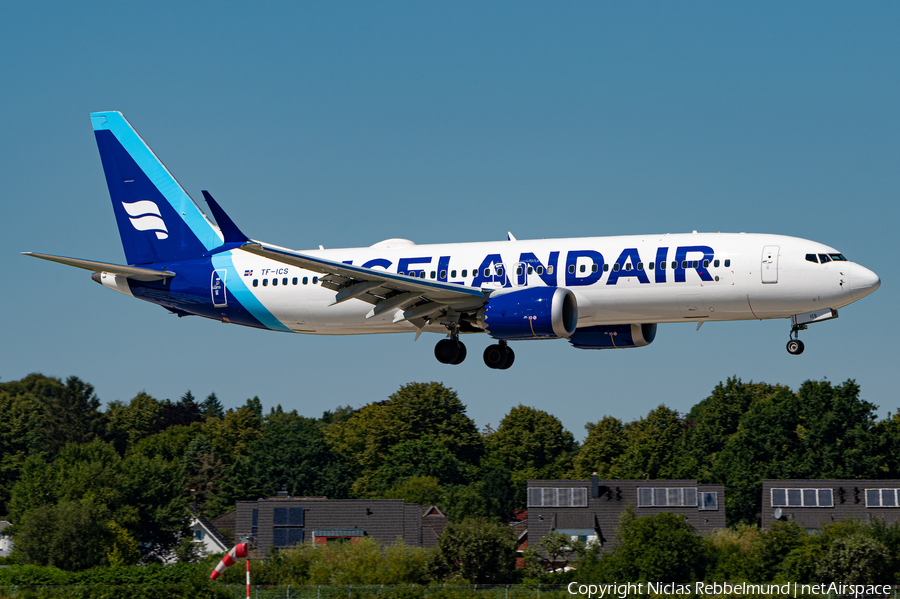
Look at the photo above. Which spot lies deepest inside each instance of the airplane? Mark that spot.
(595, 292)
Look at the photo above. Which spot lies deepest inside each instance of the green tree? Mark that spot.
(70, 535)
(41, 415)
(650, 445)
(650, 548)
(416, 410)
(822, 431)
(129, 423)
(530, 443)
(425, 457)
(477, 550)
(601, 450)
(211, 407)
(424, 490)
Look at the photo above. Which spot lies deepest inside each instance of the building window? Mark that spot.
(286, 537)
(667, 496)
(557, 497)
(198, 535)
(802, 498)
(708, 500)
(881, 497)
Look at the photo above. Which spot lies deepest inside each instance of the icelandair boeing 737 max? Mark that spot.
(595, 292)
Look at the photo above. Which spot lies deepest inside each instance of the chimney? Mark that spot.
(595, 486)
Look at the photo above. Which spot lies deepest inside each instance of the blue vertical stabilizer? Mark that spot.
(158, 221)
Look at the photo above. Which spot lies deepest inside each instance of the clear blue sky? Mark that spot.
(346, 123)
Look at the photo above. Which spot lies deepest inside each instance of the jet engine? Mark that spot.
(614, 336)
(538, 313)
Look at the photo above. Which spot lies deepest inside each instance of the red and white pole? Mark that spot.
(248, 578)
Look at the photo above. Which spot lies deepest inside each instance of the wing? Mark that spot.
(131, 272)
(418, 299)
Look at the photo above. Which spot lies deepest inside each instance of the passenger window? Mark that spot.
(432, 274)
(674, 265)
(256, 282)
(706, 264)
(716, 263)
(812, 258)
(487, 272)
(684, 264)
(550, 270)
(540, 270)
(530, 270)
(305, 280)
(616, 267)
(662, 265)
(640, 266)
(571, 269)
(452, 274)
(606, 268)
(443, 274)
(465, 273)
(628, 266)
(696, 263)
(274, 281)
(727, 263)
(284, 281)
(265, 282)
(499, 270)
(650, 265)
(422, 275)
(823, 258)
(518, 271)
(593, 268)
(315, 280)
(582, 268)
(294, 281)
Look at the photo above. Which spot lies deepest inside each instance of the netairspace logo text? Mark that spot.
(622, 590)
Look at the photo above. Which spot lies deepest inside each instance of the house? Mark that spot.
(207, 537)
(590, 509)
(6, 543)
(814, 503)
(284, 521)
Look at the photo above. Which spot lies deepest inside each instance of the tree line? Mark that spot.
(118, 480)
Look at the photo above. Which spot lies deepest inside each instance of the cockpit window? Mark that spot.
(812, 258)
(823, 258)
(837, 257)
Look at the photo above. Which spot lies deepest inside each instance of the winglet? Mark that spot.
(230, 231)
(510, 236)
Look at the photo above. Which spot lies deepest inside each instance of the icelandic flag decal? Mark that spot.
(248, 273)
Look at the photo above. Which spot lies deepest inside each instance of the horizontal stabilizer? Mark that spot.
(130, 272)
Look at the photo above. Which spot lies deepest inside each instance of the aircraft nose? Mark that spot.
(862, 282)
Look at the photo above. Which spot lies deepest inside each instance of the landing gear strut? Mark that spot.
(499, 356)
(795, 346)
(452, 350)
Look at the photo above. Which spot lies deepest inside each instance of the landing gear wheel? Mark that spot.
(795, 347)
(447, 351)
(462, 353)
(498, 356)
(510, 358)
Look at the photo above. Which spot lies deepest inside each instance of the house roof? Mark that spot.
(212, 531)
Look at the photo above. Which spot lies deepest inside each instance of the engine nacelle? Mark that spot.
(538, 313)
(614, 336)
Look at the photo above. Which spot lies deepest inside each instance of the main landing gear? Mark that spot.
(452, 350)
(499, 356)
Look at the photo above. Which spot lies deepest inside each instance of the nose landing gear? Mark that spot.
(795, 346)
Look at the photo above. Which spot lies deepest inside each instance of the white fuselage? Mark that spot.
(640, 278)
